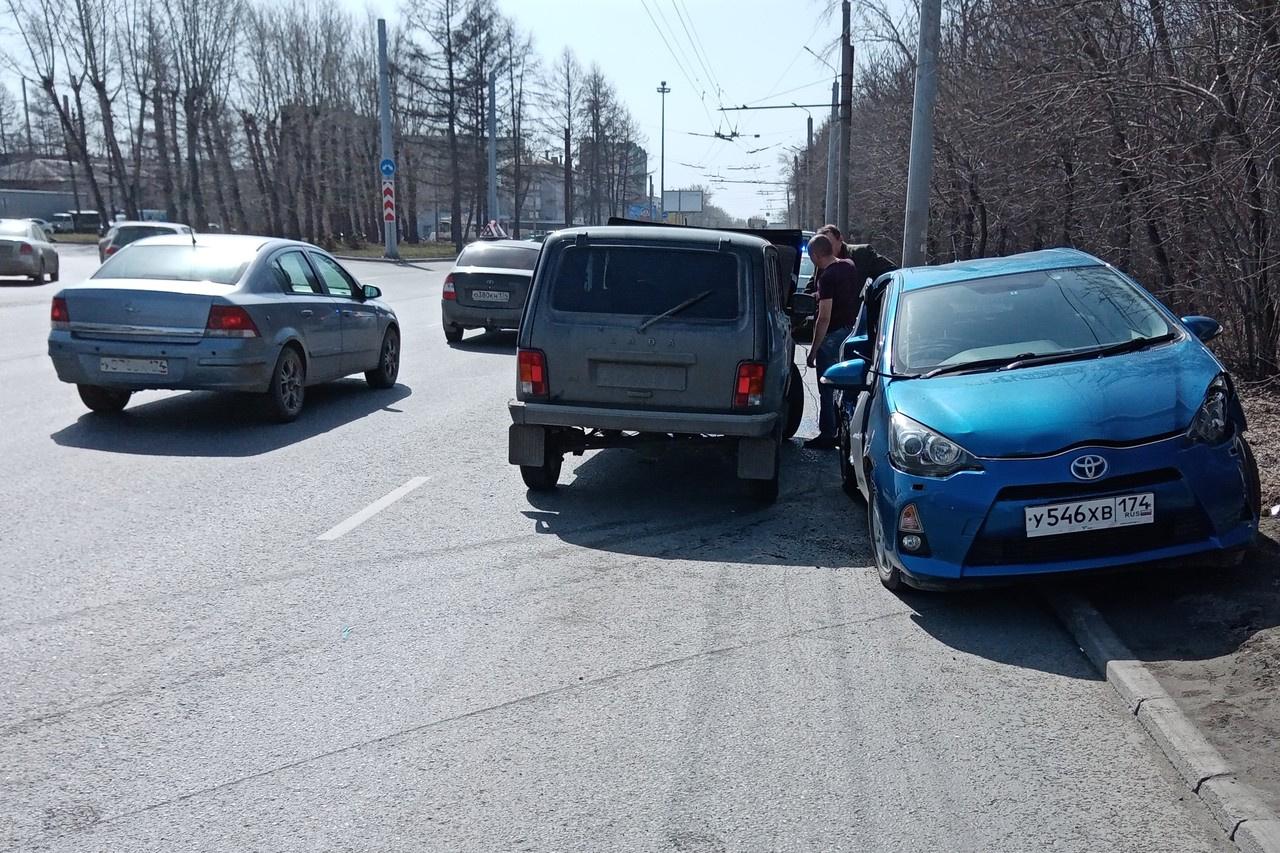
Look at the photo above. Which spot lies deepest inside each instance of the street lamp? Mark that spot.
(662, 162)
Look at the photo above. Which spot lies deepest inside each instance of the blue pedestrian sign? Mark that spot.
(387, 168)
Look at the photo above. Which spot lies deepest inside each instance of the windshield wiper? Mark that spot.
(671, 312)
(1094, 352)
(980, 364)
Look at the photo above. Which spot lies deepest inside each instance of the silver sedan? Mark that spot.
(221, 313)
(25, 250)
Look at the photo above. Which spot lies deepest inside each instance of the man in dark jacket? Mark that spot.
(870, 263)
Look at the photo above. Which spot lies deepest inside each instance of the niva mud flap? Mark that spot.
(526, 445)
(757, 458)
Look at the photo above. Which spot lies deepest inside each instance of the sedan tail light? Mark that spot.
(25, 249)
(449, 293)
(230, 321)
(532, 365)
(748, 389)
(59, 316)
(110, 250)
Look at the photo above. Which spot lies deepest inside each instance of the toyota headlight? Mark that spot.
(916, 449)
(1212, 423)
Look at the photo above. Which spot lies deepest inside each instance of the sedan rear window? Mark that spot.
(126, 234)
(505, 257)
(647, 281)
(14, 228)
(214, 264)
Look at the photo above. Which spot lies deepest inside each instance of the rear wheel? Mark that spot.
(452, 333)
(795, 403)
(388, 369)
(889, 574)
(38, 278)
(104, 401)
(544, 477)
(766, 491)
(56, 269)
(285, 396)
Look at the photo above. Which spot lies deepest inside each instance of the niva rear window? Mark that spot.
(645, 281)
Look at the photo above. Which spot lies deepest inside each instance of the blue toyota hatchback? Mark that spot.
(1035, 414)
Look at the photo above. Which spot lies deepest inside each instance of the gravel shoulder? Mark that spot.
(1212, 636)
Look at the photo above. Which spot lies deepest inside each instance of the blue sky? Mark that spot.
(749, 58)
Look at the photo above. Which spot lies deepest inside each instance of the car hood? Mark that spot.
(1041, 410)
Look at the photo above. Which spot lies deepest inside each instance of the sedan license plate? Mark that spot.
(155, 366)
(490, 296)
(1097, 514)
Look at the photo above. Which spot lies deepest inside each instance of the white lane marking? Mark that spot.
(371, 510)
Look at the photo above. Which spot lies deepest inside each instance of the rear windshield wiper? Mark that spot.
(671, 312)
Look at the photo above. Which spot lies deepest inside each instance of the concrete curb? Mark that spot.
(401, 261)
(1234, 804)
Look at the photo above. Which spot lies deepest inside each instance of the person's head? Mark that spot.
(821, 251)
(833, 234)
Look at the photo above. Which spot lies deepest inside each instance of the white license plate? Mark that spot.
(1097, 514)
(156, 366)
(490, 296)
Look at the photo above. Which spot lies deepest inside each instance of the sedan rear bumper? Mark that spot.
(20, 264)
(628, 420)
(212, 364)
(487, 317)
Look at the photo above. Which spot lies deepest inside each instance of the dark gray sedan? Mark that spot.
(220, 313)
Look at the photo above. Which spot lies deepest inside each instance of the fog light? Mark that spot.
(912, 542)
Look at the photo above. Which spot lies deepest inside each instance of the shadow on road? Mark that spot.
(201, 423)
(488, 343)
(20, 282)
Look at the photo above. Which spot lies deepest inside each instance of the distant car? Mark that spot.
(25, 250)
(222, 313)
(641, 332)
(123, 233)
(1038, 414)
(487, 287)
(45, 225)
(802, 324)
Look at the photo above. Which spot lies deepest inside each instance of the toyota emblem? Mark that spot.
(1089, 467)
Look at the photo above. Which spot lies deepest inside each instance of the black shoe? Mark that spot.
(821, 442)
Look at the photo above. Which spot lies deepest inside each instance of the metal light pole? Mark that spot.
(833, 132)
(915, 233)
(493, 147)
(384, 118)
(662, 160)
(846, 112)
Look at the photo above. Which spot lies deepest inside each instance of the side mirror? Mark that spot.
(848, 375)
(1204, 328)
(803, 304)
(856, 346)
(371, 292)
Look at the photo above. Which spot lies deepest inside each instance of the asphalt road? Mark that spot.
(641, 661)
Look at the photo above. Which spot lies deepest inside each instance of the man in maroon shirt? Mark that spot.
(839, 300)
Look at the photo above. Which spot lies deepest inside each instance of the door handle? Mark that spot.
(307, 312)
(347, 313)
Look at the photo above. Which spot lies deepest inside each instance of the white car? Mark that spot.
(25, 250)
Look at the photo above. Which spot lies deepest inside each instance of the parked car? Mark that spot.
(640, 333)
(487, 287)
(220, 313)
(25, 250)
(45, 225)
(802, 325)
(123, 233)
(1036, 414)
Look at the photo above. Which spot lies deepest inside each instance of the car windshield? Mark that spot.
(1048, 312)
(13, 228)
(177, 263)
(126, 234)
(506, 257)
(647, 281)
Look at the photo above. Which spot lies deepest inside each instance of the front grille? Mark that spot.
(1095, 488)
(1177, 527)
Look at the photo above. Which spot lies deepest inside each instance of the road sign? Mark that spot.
(388, 168)
(388, 200)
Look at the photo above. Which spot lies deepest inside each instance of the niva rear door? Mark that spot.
(645, 325)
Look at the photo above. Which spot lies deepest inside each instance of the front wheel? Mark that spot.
(104, 401)
(285, 396)
(1253, 480)
(388, 369)
(890, 575)
(848, 476)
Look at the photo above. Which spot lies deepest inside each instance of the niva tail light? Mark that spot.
(532, 365)
(748, 389)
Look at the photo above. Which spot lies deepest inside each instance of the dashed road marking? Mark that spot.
(371, 510)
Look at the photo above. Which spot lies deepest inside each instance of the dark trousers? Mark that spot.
(829, 354)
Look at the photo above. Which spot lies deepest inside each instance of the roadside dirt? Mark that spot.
(1212, 635)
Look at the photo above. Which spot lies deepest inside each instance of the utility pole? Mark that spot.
(568, 181)
(662, 159)
(797, 211)
(829, 208)
(26, 112)
(808, 169)
(390, 249)
(493, 146)
(915, 233)
(846, 115)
